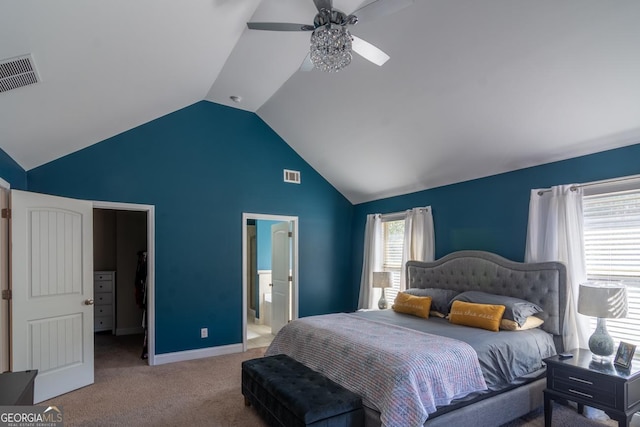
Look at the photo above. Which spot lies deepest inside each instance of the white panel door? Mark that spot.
(280, 267)
(52, 291)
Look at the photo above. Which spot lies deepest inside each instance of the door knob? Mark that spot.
(88, 301)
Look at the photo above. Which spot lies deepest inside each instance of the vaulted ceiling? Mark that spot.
(473, 87)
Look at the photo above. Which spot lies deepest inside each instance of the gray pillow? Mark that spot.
(516, 309)
(440, 298)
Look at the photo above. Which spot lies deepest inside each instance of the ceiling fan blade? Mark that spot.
(323, 4)
(380, 8)
(368, 51)
(279, 26)
(307, 65)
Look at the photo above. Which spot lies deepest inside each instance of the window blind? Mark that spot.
(612, 252)
(392, 261)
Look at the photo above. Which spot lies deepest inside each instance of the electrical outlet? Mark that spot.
(204, 333)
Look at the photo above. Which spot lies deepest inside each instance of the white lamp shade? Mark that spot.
(604, 300)
(382, 279)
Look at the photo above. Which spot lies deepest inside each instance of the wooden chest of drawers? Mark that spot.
(104, 295)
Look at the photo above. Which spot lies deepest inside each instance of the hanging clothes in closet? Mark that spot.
(141, 295)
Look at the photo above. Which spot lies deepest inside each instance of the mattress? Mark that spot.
(506, 358)
(402, 373)
(406, 367)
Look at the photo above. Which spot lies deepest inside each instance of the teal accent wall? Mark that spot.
(202, 167)
(12, 172)
(491, 213)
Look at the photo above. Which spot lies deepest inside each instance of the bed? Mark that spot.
(449, 374)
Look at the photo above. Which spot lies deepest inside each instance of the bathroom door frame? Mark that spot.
(293, 220)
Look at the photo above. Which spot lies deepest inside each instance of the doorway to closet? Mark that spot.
(60, 230)
(120, 241)
(270, 270)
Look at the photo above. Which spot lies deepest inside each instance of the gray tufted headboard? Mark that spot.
(540, 283)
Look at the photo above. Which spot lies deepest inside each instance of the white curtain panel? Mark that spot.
(555, 233)
(419, 239)
(371, 260)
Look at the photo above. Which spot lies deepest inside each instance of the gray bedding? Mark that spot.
(543, 284)
(506, 357)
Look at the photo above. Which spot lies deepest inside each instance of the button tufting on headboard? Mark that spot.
(540, 283)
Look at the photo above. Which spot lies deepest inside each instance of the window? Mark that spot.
(393, 241)
(386, 232)
(612, 251)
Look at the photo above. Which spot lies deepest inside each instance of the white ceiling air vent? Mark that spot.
(17, 72)
(292, 176)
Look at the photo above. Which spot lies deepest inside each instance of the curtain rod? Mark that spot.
(589, 184)
(400, 213)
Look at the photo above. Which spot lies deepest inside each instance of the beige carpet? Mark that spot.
(128, 392)
(204, 392)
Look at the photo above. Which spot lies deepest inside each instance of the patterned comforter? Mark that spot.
(404, 374)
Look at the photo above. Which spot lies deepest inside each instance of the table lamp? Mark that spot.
(604, 301)
(382, 280)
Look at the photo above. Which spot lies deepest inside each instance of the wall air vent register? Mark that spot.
(292, 176)
(17, 72)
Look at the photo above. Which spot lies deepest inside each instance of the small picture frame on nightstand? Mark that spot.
(624, 355)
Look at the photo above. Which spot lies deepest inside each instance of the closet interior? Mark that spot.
(119, 244)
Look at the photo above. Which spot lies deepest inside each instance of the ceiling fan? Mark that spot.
(331, 40)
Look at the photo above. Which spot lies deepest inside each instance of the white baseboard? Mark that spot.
(130, 331)
(181, 356)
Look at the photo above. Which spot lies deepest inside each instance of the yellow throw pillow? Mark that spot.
(531, 323)
(485, 316)
(410, 304)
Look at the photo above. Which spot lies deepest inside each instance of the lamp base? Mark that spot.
(382, 302)
(601, 343)
(601, 360)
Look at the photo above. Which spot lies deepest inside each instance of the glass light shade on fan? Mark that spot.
(330, 48)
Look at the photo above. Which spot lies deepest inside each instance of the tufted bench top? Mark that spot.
(287, 387)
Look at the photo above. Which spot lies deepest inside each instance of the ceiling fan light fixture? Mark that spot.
(331, 48)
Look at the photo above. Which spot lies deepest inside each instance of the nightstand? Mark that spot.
(604, 386)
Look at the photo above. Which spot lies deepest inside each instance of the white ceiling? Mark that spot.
(473, 87)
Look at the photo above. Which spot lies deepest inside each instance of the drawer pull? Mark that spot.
(581, 393)
(580, 380)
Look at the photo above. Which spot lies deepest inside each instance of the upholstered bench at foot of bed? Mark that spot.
(287, 393)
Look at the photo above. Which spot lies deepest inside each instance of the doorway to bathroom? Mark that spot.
(269, 276)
